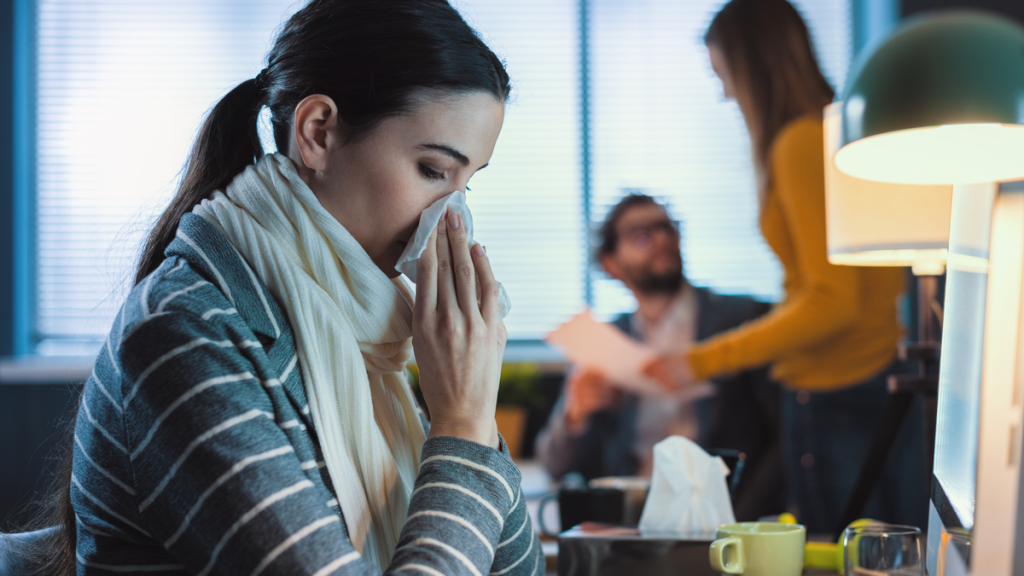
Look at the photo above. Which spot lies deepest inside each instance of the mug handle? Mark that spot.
(544, 501)
(717, 555)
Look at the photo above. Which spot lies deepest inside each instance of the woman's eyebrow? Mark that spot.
(448, 151)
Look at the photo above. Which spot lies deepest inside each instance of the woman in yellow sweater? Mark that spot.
(832, 340)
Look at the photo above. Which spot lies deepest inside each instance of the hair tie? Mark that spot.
(260, 80)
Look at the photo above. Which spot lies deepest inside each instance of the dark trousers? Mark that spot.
(826, 436)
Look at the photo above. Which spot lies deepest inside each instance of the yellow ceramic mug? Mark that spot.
(759, 549)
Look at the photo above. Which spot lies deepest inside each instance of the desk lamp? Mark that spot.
(942, 102)
(871, 223)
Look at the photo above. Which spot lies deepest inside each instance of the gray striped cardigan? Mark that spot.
(194, 450)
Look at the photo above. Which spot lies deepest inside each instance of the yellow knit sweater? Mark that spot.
(837, 324)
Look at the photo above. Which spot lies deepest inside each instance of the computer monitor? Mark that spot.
(975, 521)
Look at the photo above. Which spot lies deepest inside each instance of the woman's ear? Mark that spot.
(315, 131)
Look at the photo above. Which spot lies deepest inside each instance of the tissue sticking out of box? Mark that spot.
(688, 490)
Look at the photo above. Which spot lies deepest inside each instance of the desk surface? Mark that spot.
(536, 483)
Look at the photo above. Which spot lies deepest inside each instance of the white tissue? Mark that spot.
(688, 491)
(456, 202)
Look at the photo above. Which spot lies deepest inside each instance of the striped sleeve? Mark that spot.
(220, 487)
(467, 515)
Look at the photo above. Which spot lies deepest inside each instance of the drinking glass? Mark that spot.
(883, 549)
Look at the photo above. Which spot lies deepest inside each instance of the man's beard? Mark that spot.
(659, 283)
(666, 282)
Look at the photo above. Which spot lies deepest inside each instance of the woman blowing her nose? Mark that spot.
(832, 340)
(249, 413)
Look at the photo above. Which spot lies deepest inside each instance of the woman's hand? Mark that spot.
(459, 343)
(672, 372)
(587, 391)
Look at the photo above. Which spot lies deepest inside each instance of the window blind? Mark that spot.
(659, 125)
(122, 86)
(527, 204)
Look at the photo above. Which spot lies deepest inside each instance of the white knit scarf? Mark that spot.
(353, 328)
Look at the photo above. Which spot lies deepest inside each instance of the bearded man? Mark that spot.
(596, 429)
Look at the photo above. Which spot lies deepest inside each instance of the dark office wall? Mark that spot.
(1011, 8)
(33, 437)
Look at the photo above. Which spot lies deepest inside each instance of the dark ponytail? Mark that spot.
(227, 143)
(372, 57)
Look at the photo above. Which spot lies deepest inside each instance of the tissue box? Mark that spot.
(592, 549)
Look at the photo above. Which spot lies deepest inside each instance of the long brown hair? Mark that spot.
(775, 74)
(372, 57)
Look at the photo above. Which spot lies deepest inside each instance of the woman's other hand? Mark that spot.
(672, 372)
(587, 391)
(459, 343)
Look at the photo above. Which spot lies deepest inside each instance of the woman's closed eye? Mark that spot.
(429, 173)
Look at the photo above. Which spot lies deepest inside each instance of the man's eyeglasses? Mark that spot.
(642, 235)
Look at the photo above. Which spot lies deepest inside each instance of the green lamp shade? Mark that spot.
(939, 102)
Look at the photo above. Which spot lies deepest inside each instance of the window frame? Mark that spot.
(17, 201)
